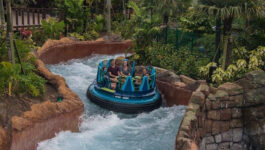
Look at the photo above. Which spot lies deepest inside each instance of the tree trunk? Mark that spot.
(124, 9)
(2, 12)
(247, 29)
(108, 19)
(227, 52)
(11, 40)
(165, 20)
(9, 17)
(9, 31)
(217, 40)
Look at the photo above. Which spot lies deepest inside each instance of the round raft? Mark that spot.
(133, 94)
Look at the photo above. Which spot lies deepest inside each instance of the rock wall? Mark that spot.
(229, 117)
(176, 90)
(47, 118)
(54, 52)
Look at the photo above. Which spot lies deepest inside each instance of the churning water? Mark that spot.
(105, 130)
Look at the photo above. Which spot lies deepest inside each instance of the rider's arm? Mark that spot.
(111, 75)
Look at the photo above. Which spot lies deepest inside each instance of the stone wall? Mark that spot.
(228, 117)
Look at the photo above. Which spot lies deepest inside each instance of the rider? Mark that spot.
(125, 69)
(145, 73)
(114, 73)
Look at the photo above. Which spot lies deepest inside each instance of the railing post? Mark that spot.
(33, 15)
(38, 17)
(16, 10)
(22, 15)
(28, 18)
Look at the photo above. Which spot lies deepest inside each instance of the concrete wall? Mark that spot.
(73, 50)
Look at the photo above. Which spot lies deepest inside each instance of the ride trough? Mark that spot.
(133, 94)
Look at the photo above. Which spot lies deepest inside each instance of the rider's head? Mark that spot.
(113, 62)
(125, 62)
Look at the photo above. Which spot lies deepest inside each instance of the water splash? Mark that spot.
(105, 130)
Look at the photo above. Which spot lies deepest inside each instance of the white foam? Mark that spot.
(105, 130)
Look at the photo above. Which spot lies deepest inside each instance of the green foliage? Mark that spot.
(92, 35)
(244, 62)
(75, 14)
(23, 49)
(171, 8)
(197, 22)
(181, 61)
(98, 24)
(3, 47)
(52, 28)
(30, 83)
(11, 77)
(143, 27)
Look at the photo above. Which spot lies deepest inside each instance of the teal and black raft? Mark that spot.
(133, 94)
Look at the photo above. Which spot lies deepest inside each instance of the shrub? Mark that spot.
(12, 79)
(244, 62)
(52, 28)
(180, 61)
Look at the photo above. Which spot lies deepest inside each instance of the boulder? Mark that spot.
(160, 70)
(221, 95)
(254, 79)
(187, 80)
(231, 88)
(203, 87)
(197, 97)
(180, 84)
(168, 76)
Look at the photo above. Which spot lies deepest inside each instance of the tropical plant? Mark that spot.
(167, 8)
(29, 83)
(228, 10)
(52, 28)
(244, 62)
(181, 61)
(196, 22)
(143, 27)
